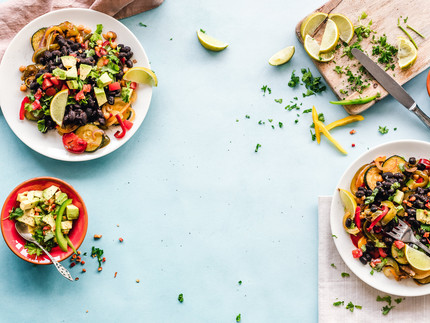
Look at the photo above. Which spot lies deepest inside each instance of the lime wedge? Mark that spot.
(348, 201)
(141, 75)
(417, 259)
(58, 106)
(330, 37)
(407, 53)
(313, 49)
(345, 26)
(283, 56)
(311, 23)
(210, 43)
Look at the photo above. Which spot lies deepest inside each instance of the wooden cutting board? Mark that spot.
(384, 15)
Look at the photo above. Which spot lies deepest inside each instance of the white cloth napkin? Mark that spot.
(332, 287)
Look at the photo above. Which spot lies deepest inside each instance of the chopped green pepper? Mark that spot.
(357, 101)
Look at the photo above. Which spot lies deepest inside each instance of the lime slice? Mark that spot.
(417, 259)
(407, 53)
(348, 201)
(313, 49)
(311, 23)
(283, 56)
(210, 43)
(330, 37)
(141, 75)
(345, 26)
(58, 106)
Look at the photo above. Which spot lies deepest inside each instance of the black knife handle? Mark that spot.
(421, 115)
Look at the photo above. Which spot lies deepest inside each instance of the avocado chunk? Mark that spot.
(68, 61)
(49, 219)
(72, 212)
(60, 197)
(27, 218)
(126, 94)
(49, 192)
(398, 197)
(59, 73)
(100, 96)
(73, 84)
(29, 204)
(84, 70)
(423, 216)
(104, 80)
(72, 73)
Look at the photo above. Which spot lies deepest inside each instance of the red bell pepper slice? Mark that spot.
(128, 124)
(80, 95)
(36, 105)
(38, 94)
(379, 218)
(73, 143)
(120, 134)
(399, 244)
(106, 42)
(22, 110)
(357, 253)
(357, 217)
(46, 83)
(425, 162)
(355, 239)
(114, 86)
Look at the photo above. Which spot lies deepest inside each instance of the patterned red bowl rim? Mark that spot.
(16, 243)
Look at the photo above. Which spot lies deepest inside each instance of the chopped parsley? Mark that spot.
(386, 309)
(181, 298)
(338, 69)
(321, 117)
(278, 101)
(15, 213)
(344, 274)
(238, 318)
(97, 252)
(142, 24)
(265, 88)
(338, 303)
(313, 136)
(257, 147)
(351, 307)
(385, 51)
(280, 124)
(292, 107)
(333, 265)
(247, 117)
(384, 299)
(398, 300)
(203, 31)
(294, 80)
(307, 111)
(383, 130)
(334, 236)
(239, 282)
(312, 83)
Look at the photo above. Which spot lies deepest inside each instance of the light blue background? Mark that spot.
(198, 209)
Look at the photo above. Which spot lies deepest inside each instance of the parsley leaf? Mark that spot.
(181, 298)
(96, 252)
(383, 130)
(345, 275)
(15, 213)
(257, 147)
(294, 80)
(238, 318)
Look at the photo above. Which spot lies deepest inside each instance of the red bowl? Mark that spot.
(16, 243)
(428, 83)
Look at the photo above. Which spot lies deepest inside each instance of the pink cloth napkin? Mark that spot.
(15, 14)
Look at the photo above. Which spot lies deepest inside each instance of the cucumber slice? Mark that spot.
(372, 175)
(92, 135)
(37, 38)
(392, 164)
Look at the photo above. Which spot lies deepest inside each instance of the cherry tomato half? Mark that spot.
(73, 143)
(357, 253)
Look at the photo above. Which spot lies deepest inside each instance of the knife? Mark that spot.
(390, 85)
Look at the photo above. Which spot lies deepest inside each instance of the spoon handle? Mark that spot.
(63, 271)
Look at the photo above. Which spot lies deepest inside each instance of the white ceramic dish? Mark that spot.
(20, 52)
(404, 148)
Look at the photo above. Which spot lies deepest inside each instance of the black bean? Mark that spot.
(363, 260)
(75, 46)
(424, 240)
(111, 100)
(129, 55)
(34, 85)
(359, 194)
(122, 54)
(129, 63)
(56, 53)
(126, 49)
(368, 256)
(102, 121)
(387, 240)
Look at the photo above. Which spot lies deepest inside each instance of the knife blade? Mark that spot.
(390, 85)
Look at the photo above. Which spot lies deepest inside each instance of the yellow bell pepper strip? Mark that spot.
(317, 129)
(329, 136)
(357, 101)
(344, 121)
(62, 242)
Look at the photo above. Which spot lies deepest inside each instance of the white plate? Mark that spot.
(20, 52)
(404, 148)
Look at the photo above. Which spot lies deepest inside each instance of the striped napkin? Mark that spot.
(332, 287)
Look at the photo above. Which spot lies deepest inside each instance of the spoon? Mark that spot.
(22, 229)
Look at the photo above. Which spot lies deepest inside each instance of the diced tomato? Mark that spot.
(64, 87)
(80, 95)
(86, 88)
(357, 253)
(36, 105)
(374, 262)
(46, 83)
(38, 94)
(419, 180)
(425, 162)
(47, 75)
(133, 85)
(382, 252)
(103, 51)
(73, 143)
(54, 80)
(50, 91)
(114, 86)
(399, 244)
(106, 61)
